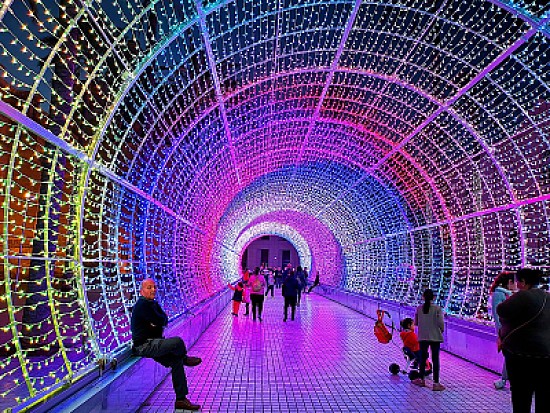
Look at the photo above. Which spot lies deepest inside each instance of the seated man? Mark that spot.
(148, 322)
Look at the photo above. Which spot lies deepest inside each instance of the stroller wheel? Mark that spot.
(394, 368)
(414, 375)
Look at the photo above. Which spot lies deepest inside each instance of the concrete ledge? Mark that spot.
(471, 341)
(126, 388)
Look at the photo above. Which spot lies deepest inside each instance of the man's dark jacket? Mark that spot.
(148, 321)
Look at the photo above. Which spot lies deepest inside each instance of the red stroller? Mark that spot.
(380, 330)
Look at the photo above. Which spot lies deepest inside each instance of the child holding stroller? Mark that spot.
(237, 297)
(411, 346)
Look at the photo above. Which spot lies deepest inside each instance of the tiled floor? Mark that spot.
(326, 361)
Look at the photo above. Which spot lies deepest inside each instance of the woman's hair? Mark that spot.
(428, 297)
(501, 280)
(529, 276)
(298, 269)
(240, 284)
(257, 270)
(406, 323)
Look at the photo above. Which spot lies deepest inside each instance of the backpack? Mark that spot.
(380, 330)
(257, 285)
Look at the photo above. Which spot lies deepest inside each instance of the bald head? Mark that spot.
(148, 289)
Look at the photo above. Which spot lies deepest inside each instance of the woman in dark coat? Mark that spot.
(290, 292)
(525, 342)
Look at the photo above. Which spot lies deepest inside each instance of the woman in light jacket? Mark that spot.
(430, 323)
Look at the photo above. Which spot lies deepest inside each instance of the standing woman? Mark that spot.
(429, 319)
(257, 291)
(502, 288)
(525, 342)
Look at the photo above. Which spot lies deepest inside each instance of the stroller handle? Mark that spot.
(382, 312)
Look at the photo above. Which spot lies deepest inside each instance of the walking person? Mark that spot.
(300, 277)
(246, 298)
(237, 297)
(290, 292)
(430, 322)
(278, 277)
(257, 290)
(525, 342)
(270, 284)
(147, 325)
(502, 288)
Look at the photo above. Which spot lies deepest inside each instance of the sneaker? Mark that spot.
(419, 382)
(192, 361)
(438, 387)
(500, 384)
(185, 404)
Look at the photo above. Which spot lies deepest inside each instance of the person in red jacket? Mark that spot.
(237, 297)
(410, 339)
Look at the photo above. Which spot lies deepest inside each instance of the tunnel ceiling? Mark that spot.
(398, 144)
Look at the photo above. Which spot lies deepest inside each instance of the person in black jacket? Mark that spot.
(290, 292)
(525, 342)
(147, 324)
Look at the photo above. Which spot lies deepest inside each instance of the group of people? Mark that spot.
(253, 288)
(521, 312)
(149, 320)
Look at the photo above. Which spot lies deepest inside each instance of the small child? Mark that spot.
(237, 297)
(410, 339)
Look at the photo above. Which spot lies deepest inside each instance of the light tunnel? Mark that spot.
(398, 144)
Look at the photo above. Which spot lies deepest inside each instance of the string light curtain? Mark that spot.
(398, 144)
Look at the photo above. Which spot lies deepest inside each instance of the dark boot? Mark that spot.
(185, 404)
(191, 361)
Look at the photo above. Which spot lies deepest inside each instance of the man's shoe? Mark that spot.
(185, 404)
(192, 361)
(500, 384)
